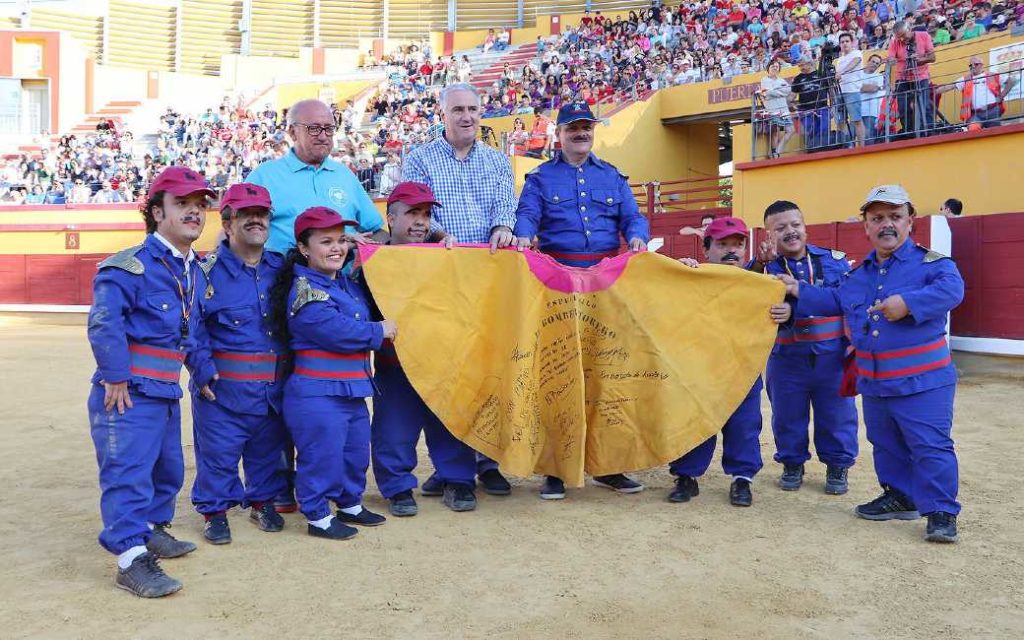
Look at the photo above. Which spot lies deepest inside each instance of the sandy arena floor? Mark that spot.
(597, 565)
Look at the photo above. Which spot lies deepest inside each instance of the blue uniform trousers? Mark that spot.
(913, 450)
(141, 466)
(332, 439)
(797, 382)
(741, 446)
(398, 418)
(221, 438)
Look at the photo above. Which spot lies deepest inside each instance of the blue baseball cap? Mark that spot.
(574, 112)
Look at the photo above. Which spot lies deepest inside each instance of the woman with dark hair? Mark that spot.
(327, 321)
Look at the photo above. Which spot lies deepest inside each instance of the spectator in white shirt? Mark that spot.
(982, 94)
(849, 68)
(775, 92)
(872, 89)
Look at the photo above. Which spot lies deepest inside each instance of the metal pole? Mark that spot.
(386, 20)
(452, 15)
(891, 95)
(753, 127)
(519, 14)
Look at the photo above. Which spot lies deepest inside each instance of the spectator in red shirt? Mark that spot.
(910, 52)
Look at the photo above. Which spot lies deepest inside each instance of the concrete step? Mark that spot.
(121, 111)
(124, 103)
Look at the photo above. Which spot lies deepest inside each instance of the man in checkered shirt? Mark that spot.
(474, 186)
(472, 181)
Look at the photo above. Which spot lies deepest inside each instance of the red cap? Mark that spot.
(180, 181)
(244, 194)
(413, 194)
(725, 227)
(320, 218)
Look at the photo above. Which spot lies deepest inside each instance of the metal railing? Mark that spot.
(901, 109)
(711, 195)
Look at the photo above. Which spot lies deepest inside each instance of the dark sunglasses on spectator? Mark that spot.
(317, 129)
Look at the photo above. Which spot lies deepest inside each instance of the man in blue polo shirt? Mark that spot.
(307, 177)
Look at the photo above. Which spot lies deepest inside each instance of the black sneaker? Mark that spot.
(365, 518)
(941, 527)
(494, 483)
(792, 477)
(686, 488)
(403, 505)
(433, 487)
(266, 517)
(216, 530)
(552, 489)
(337, 531)
(146, 579)
(164, 545)
(618, 483)
(740, 494)
(836, 480)
(891, 505)
(459, 497)
(285, 502)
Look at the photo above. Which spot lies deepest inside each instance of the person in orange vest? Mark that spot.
(541, 135)
(982, 94)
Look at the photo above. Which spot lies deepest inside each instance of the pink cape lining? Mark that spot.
(547, 270)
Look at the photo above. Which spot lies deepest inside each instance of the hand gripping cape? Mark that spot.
(557, 370)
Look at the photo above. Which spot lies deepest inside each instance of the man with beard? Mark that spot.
(401, 415)
(578, 207)
(896, 303)
(307, 177)
(142, 327)
(240, 419)
(725, 242)
(805, 369)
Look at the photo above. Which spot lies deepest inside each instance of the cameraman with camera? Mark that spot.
(811, 90)
(910, 52)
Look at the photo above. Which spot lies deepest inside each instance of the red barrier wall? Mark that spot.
(989, 251)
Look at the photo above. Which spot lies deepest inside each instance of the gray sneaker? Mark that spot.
(459, 497)
(164, 545)
(403, 505)
(146, 579)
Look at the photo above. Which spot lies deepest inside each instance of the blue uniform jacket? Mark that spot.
(578, 209)
(236, 318)
(910, 355)
(815, 334)
(136, 299)
(333, 316)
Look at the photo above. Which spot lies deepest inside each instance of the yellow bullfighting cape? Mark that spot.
(558, 370)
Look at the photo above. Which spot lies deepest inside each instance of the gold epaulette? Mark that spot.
(125, 260)
(207, 263)
(931, 256)
(304, 294)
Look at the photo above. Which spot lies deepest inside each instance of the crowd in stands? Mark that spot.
(608, 60)
(224, 144)
(603, 59)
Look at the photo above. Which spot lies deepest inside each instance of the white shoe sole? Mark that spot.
(552, 496)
